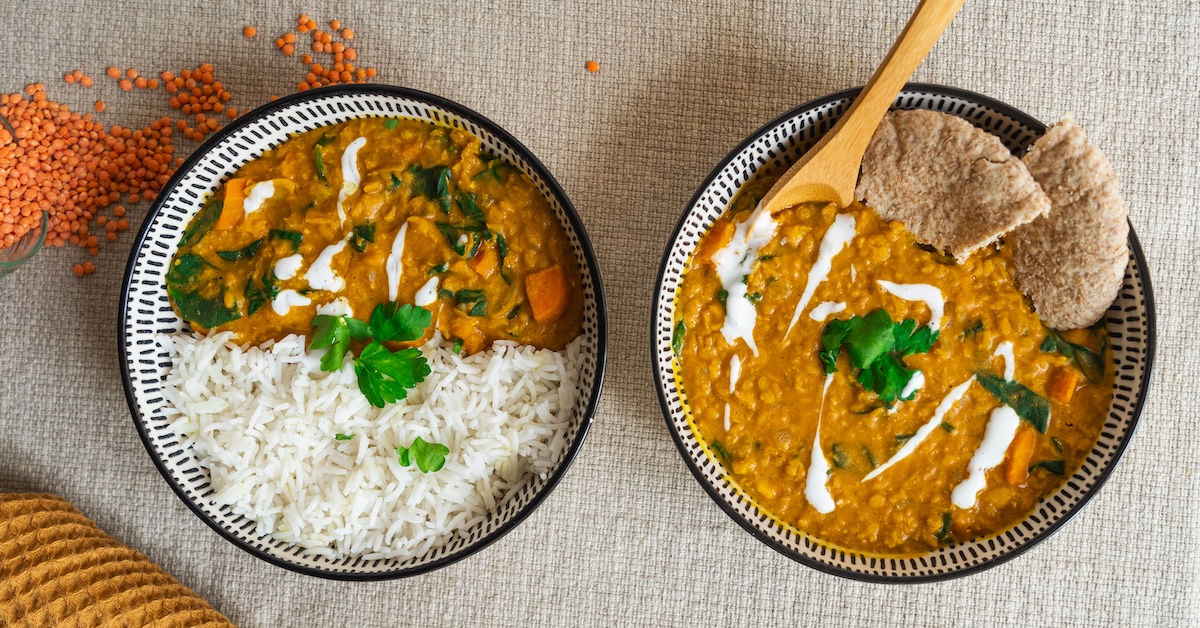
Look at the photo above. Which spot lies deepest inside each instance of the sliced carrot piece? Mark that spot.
(486, 261)
(718, 236)
(235, 199)
(549, 294)
(1061, 387)
(1019, 455)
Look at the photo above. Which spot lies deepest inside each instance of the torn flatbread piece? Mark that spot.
(952, 185)
(1071, 263)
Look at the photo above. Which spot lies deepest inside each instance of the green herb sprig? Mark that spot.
(429, 457)
(876, 346)
(384, 376)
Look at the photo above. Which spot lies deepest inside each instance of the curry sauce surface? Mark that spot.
(774, 408)
(486, 245)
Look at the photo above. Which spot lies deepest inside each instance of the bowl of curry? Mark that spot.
(423, 257)
(866, 404)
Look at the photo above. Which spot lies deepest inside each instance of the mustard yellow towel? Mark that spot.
(58, 568)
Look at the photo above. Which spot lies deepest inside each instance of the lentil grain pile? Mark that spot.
(70, 166)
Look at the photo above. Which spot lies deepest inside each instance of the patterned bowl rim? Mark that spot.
(593, 266)
(660, 386)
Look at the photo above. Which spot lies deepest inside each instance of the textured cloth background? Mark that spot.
(629, 537)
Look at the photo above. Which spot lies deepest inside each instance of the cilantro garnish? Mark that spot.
(1027, 404)
(343, 436)
(429, 457)
(383, 376)
(876, 346)
(392, 321)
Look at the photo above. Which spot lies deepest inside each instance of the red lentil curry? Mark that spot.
(945, 408)
(343, 218)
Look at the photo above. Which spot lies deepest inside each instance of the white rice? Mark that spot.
(263, 422)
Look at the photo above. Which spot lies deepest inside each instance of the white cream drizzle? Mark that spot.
(284, 301)
(256, 195)
(735, 371)
(914, 384)
(734, 262)
(947, 403)
(839, 235)
(350, 176)
(1005, 350)
(726, 417)
(853, 273)
(427, 294)
(321, 275)
(337, 307)
(825, 309)
(287, 267)
(394, 265)
(930, 295)
(815, 489)
(998, 435)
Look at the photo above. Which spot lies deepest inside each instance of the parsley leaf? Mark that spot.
(1027, 404)
(909, 341)
(335, 332)
(869, 339)
(429, 457)
(392, 321)
(887, 378)
(385, 377)
(876, 345)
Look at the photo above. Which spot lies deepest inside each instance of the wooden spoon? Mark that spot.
(828, 172)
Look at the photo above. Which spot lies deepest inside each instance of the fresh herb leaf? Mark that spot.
(840, 459)
(245, 252)
(1058, 467)
(458, 345)
(466, 203)
(437, 270)
(973, 329)
(1057, 442)
(1027, 404)
(320, 163)
(432, 183)
(944, 532)
(430, 457)
(946, 426)
(384, 377)
(202, 223)
(390, 123)
(1086, 360)
(513, 312)
(335, 333)
(887, 378)
(361, 235)
(721, 452)
(451, 233)
(869, 339)
(392, 321)
(677, 337)
(876, 345)
(910, 341)
(343, 436)
(294, 237)
(870, 457)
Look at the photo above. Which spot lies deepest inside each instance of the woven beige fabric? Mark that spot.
(629, 538)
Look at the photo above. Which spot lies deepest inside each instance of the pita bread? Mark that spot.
(952, 185)
(1071, 263)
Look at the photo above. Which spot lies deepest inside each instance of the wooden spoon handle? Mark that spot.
(835, 160)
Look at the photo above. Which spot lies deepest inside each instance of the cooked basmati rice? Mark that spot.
(263, 421)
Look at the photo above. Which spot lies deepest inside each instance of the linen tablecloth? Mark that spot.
(629, 537)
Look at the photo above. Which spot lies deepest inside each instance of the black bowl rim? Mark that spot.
(572, 216)
(1144, 386)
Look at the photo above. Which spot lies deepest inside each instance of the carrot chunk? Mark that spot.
(1019, 455)
(549, 294)
(718, 236)
(1061, 387)
(235, 198)
(485, 261)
